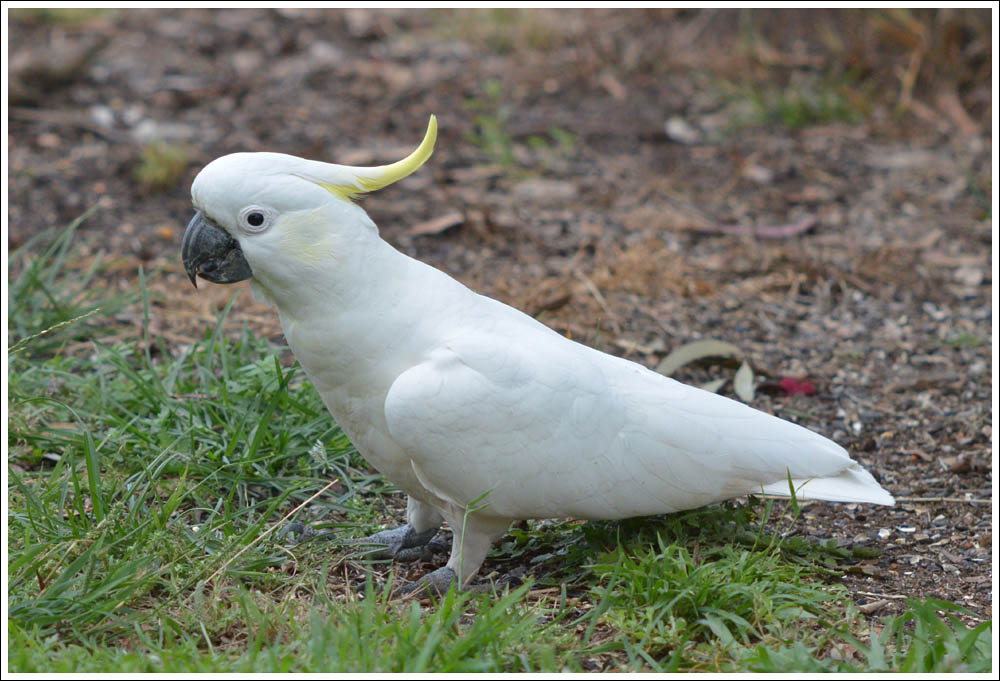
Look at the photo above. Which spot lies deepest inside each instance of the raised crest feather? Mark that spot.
(364, 180)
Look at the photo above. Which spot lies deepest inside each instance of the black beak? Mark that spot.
(207, 250)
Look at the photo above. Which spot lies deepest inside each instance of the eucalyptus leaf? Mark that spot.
(743, 382)
(715, 386)
(692, 352)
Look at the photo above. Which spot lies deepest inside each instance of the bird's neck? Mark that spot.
(363, 320)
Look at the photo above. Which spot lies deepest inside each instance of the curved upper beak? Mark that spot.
(208, 251)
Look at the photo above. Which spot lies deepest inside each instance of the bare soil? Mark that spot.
(853, 252)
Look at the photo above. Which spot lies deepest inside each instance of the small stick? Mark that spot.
(953, 500)
(594, 291)
(271, 529)
(898, 597)
(763, 231)
(908, 500)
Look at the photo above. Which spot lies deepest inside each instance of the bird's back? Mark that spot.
(548, 427)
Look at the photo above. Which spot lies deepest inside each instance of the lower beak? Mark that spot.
(208, 251)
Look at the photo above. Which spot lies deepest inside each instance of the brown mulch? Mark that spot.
(853, 253)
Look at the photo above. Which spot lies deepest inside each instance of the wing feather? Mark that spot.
(548, 427)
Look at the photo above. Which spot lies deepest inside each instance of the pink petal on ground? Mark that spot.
(794, 387)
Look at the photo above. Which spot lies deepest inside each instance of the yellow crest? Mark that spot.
(363, 180)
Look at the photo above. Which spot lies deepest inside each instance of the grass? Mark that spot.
(809, 101)
(492, 115)
(964, 339)
(797, 70)
(145, 482)
(162, 166)
(505, 30)
(802, 106)
(50, 300)
(59, 15)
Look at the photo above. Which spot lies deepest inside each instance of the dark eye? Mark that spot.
(254, 219)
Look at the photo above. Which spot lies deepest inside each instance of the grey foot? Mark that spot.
(297, 533)
(402, 544)
(434, 583)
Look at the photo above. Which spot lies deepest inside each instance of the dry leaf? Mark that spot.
(743, 382)
(714, 386)
(438, 225)
(692, 352)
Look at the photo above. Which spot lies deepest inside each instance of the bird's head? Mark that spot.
(266, 215)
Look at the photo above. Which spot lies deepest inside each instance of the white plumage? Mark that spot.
(456, 397)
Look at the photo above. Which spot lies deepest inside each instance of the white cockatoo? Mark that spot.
(480, 413)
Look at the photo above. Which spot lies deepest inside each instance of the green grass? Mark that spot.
(503, 30)
(50, 300)
(162, 166)
(803, 106)
(491, 115)
(815, 100)
(146, 483)
(981, 190)
(964, 339)
(59, 15)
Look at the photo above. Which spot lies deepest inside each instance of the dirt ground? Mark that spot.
(814, 187)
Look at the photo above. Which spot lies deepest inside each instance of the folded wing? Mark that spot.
(545, 427)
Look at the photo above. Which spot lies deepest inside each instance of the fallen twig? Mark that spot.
(271, 529)
(67, 119)
(869, 608)
(594, 291)
(764, 232)
(438, 225)
(908, 500)
(952, 500)
(897, 597)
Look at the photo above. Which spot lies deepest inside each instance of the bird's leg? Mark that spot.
(473, 534)
(408, 542)
(411, 541)
(401, 543)
(437, 583)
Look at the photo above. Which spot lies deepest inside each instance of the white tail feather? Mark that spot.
(855, 484)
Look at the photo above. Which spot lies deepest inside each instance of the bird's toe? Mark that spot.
(401, 543)
(298, 533)
(434, 583)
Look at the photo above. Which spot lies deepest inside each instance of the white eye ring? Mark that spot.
(254, 219)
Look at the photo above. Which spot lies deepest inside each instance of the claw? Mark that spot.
(434, 583)
(398, 543)
(401, 543)
(301, 533)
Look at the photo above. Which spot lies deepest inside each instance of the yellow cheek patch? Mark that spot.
(306, 236)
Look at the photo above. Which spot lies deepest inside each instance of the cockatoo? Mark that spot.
(480, 413)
